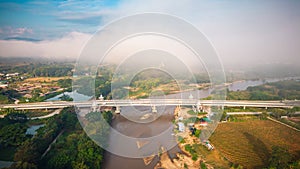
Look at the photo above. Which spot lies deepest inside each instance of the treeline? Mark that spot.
(51, 69)
(73, 148)
(282, 158)
(28, 155)
(8, 95)
(65, 83)
(12, 134)
(101, 84)
(282, 90)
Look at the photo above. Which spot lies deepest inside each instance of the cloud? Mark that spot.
(21, 31)
(243, 32)
(68, 46)
(13, 32)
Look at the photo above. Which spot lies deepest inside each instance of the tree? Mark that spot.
(12, 135)
(23, 165)
(79, 165)
(60, 160)
(16, 117)
(280, 158)
(28, 152)
(4, 99)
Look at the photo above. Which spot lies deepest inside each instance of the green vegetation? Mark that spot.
(38, 68)
(144, 84)
(280, 157)
(27, 113)
(247, 109)
(12, 134)
(32, 83)
(245, 118)
(100, 85)
(191, 120)
(290, 123)
(191, 150)
(289, 90)
(277, 113)
(31, 151)
(65, 83)
(202, 165)
(55, 70)
(180, 140)
(8, 96)
(103, 83)
(81, 151)
(37, 98)
(197, 133)
(73, 149)
(191, 112)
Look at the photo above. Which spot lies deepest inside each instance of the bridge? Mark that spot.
(199, 104)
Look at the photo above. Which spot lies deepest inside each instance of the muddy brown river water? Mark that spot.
(139, 130)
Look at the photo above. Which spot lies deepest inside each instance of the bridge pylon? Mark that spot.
(154, 110)
(118, 110)
(94, 107)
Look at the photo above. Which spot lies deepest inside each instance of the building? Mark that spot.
(12, 74)
(3, 85)
(181, 127)
(203, 124)
(207, 144)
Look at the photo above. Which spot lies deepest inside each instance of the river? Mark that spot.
(139, 130)
(32, 129)
(130, 128)
(244, 84)
(74, 95)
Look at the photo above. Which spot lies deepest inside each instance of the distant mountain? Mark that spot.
(23, 39)
(27, 60)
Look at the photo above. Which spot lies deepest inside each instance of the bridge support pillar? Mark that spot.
(118, 110)
(194, 109)
(94, 106)
(154, 109)
(244, 107)
(198, 107)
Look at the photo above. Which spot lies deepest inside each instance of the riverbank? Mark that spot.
(184, 159)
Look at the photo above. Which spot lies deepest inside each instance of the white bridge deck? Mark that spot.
(153, 102)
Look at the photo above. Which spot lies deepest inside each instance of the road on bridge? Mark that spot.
(152, 102)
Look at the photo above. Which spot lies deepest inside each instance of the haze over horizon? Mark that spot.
(243, 33)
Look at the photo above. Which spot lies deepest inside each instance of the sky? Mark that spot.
(242, 32)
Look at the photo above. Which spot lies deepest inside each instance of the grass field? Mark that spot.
(249, 143)
(45, 79)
